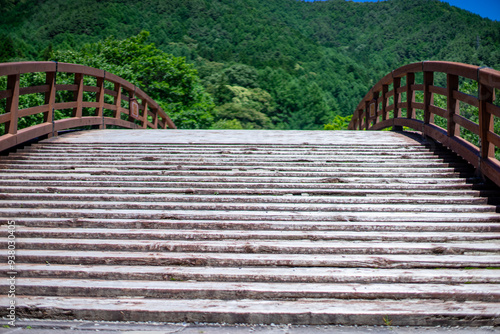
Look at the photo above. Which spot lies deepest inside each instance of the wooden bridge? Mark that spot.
(301, 227)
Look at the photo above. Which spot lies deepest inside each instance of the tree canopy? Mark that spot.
(311, 61)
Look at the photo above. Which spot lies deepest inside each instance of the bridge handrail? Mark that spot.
(375, 113)
(123, 91)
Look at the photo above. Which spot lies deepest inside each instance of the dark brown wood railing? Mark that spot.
(383, 107)
(130, 108)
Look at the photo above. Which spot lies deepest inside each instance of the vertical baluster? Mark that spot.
(100, 100)
(50, 100)
(410, 96)
(155, 118)
(452, 105)
(375, 107)
(12, 103)
(118, 100)
(131, 97)
(360, 119)
(78, 96)
(367, 115)
(428, 97)
(145, 115)
(385, 89)
(397, 111)
(50, 96)
(486, 95)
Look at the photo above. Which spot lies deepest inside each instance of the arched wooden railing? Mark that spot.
(115, 101)
(383, 107)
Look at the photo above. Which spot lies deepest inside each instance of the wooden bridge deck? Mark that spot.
(302, 227)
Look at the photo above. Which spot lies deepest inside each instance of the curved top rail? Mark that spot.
(471, 135)
(73, 96)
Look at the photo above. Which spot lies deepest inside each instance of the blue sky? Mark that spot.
(485, 8)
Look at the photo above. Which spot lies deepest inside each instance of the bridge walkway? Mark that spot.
(290, 227)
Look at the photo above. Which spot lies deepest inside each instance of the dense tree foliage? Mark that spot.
(169, 80)
(284, 64)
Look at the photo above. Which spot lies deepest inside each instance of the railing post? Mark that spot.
(50, 99)
(131, 96)
(375, 107)
(367, 115)
(396, 84)
(410, 95)
(145, 116)
(155, 119)
(486, 95)
(100, 100)
(12, 106)
(118, 100)
(385, 89)
(428, 97)
(78, 96)
(453, 106)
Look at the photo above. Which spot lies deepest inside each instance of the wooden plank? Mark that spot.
(438, 111)
(7, 141)
(80, 70)
(418, 105)
(493, 138)
(411, 123)
(4, 94)
(469, 99)
(491, 169)
(467, 124)
(492, 109)
(255, 234)
(34, 89)
(410, 68)
(401, 89)
(235, 247)
(67, 105)
(15, 68)
(110, 92)
(256, 291)
(249, 259)
(34, 131)
(92, 89)
(489, 77)
(321, 312)
(4, 118)
(34, 111)
(266, 274)
(452, 68)
(67, 87)
(438, 90)
(69, 123)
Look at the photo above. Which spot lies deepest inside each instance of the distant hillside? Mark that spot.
(314, 60)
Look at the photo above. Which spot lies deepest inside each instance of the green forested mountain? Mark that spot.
(266, 64)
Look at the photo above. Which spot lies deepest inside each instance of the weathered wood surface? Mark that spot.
(123, 94)
(251, 226)
(383, 106)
